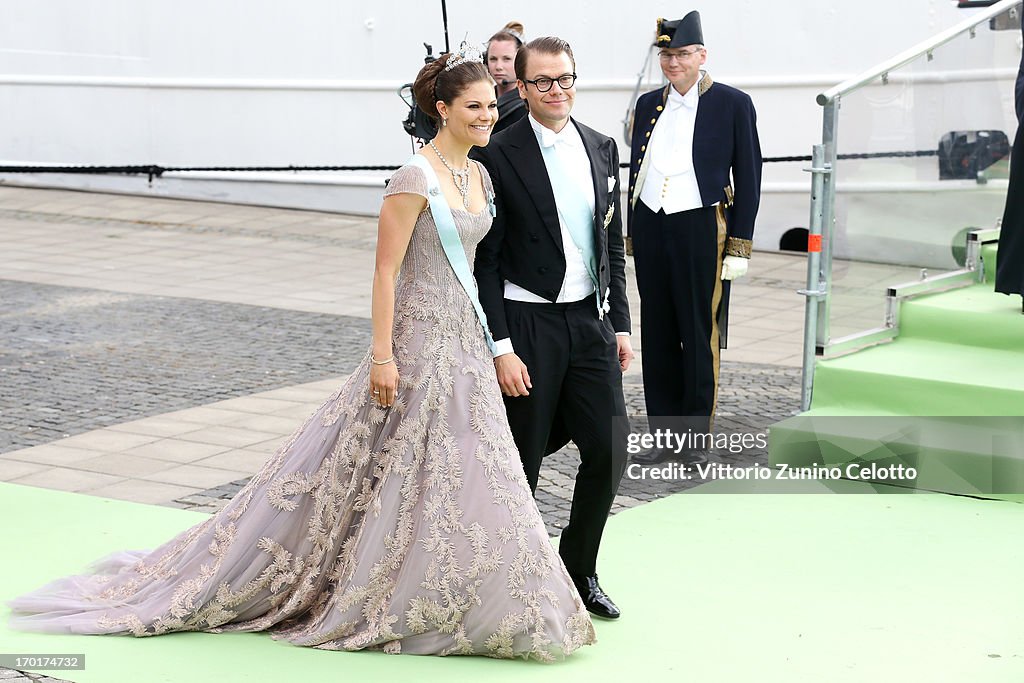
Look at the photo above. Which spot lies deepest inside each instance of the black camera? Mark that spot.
(416, 123)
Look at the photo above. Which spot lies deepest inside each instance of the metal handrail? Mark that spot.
(823, 195)
(915, 52)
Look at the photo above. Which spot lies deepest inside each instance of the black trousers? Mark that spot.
(678, 261)
(572, 359)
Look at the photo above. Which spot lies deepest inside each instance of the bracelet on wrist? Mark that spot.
(381, 362)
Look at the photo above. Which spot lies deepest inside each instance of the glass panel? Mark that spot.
(898, 217)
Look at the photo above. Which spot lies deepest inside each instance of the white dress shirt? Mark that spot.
(671, 183)
(568, 145)
(577, 285)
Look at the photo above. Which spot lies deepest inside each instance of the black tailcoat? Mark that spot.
(524, 244)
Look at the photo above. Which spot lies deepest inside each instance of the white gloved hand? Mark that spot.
(734, 267)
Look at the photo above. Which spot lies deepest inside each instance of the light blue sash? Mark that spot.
(450, 241)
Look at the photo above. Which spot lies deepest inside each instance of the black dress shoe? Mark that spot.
(594, 599)
(657, 456)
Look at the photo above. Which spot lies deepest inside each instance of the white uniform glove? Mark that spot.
(734, 267)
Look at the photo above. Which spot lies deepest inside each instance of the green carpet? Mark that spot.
(927, 398)
(975, 456)
(719, 587)
(989, 255)
(958, 353)
(924, 377)
(973, 316)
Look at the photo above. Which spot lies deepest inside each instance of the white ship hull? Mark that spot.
(315, 83)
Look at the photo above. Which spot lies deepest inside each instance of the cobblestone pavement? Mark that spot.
(96, 330)
(353, 234)
(14, 676)
(751, 397)
(73, 360)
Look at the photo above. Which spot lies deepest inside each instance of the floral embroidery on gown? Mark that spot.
(410, 530)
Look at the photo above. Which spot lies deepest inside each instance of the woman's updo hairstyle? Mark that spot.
(513, 31)
(434, 84)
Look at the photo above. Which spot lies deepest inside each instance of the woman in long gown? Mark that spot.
(398, 516)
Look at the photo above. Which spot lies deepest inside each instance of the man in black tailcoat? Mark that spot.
(552, 281)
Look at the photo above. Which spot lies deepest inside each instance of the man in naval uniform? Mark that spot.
(691, 226)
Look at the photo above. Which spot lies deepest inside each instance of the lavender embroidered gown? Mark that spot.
(410, 530)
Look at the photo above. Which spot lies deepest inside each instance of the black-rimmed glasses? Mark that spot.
(543, 84)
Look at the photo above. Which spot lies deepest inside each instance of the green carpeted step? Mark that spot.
(922, 377)
(978, 456)
(988, 257)
(922, 400)
(972, 316)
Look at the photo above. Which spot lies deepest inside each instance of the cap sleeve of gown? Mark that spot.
(408, 179)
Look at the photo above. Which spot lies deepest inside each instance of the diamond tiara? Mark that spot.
(466, 53)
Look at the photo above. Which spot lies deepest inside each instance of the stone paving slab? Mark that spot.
(299, 260)
(174, 343)
(751, 398)
(74, 360)
(181, 471)
(14, 676)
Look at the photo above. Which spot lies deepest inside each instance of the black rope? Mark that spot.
(773, 160)
(882, 155)
(862, 155)
(284, 168)
(156, 171)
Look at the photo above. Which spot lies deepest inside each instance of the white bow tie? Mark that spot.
(675, 100)
(549, 138)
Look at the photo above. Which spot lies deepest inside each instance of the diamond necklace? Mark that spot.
(459, 177)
